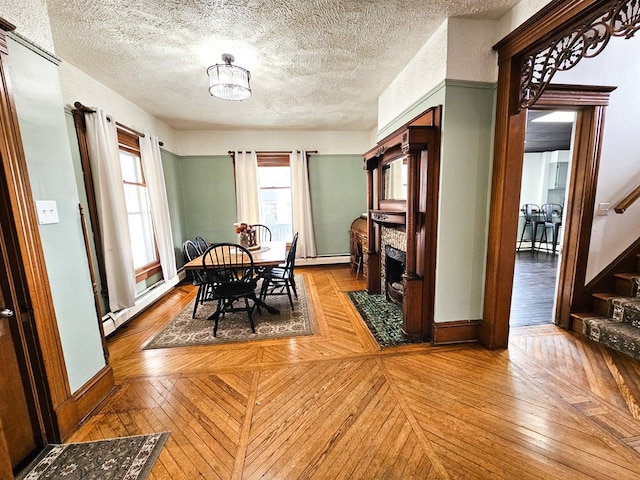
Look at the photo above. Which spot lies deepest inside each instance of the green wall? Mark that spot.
(39, 105)
(173, 182)
(338, 186)
(208, 197)
(465, 179)
(203, 188)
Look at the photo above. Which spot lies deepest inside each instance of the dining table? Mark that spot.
(267, 254)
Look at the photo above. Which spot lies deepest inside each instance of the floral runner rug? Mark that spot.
(183, 331)
(125, 458)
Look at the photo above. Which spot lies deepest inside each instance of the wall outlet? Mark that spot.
(603, 208)
(47, 212)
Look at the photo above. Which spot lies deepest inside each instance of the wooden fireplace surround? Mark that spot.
(417, 216)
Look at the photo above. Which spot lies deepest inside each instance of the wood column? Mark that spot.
(373, 259)
(503, 221)
(412, 302)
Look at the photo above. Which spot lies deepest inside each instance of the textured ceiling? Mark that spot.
(546, 137)
(315, 64)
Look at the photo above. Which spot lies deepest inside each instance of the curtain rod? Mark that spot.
(82, 108)
(231, 152)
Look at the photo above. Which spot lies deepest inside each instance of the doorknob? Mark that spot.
(6, 313)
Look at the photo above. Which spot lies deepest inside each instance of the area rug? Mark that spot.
(185, 331)
(383, 318)
(125, 458)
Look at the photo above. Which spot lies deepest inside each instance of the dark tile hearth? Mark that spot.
(383, 318)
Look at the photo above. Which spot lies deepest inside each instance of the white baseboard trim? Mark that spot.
(111, 321)
(333, 260)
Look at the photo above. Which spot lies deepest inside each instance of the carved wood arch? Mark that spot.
(586, 39)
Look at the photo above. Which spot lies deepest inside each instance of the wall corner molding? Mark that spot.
(34, 48)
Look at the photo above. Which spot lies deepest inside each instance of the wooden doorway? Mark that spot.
(22, 431)
(526, 67)
(589, 104)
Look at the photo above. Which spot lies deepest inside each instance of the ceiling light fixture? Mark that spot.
(229, 82)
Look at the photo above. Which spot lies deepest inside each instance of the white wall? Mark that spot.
(77, 86)
(531, 186)
(220, 142)
(421, 75)
(517, 16)
(470, 55)
(620, 158)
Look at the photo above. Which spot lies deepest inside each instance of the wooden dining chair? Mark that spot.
(263, 233)
(230, 275)
(191, 251)
(281, 280)
(201, 243)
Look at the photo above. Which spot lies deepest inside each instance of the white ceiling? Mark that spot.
(315, 64)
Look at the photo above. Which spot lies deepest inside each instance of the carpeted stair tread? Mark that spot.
(620, 336)
(627, 284)
(626, 309)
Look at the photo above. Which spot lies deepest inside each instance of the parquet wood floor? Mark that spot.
(335, 406)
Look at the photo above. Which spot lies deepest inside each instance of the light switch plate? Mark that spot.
(47, 212)
(603, 208)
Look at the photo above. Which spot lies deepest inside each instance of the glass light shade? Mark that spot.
(229, 82)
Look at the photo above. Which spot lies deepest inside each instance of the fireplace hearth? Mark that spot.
(394, 267)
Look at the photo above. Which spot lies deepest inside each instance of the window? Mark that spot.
(143, 245)
(274, 183)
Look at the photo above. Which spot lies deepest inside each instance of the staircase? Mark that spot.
(615, 319)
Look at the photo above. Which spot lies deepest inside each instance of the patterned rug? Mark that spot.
(383, 318)
(126, 458)
(185, 331)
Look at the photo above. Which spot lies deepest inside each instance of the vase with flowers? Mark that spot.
(246, 234)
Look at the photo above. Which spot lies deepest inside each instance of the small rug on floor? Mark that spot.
(383, 318)
(125, 458)
(185, 331)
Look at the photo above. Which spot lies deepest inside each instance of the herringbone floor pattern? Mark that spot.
(333, 405)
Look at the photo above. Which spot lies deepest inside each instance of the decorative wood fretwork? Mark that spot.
(586, 40)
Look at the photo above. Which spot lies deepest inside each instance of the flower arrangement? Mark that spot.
(243, 227)
(246, 234)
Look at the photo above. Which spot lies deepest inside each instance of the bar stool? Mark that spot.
(530, 211)
(551, 218)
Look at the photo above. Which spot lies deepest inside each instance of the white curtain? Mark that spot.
(102, 139)
(154, 175)
(301, 204)
(248, 205)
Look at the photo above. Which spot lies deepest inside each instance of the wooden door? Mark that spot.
(18, 424)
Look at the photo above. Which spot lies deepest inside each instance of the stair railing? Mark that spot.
(628, 200)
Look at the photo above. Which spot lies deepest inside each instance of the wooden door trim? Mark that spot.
(551, 23)
(590, 104)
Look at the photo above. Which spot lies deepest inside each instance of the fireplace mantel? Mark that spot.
(411, 209)
(389, 218)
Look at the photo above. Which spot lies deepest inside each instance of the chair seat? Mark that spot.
(233, 290)
(230, 277)
(277, 273)
(281, 280)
